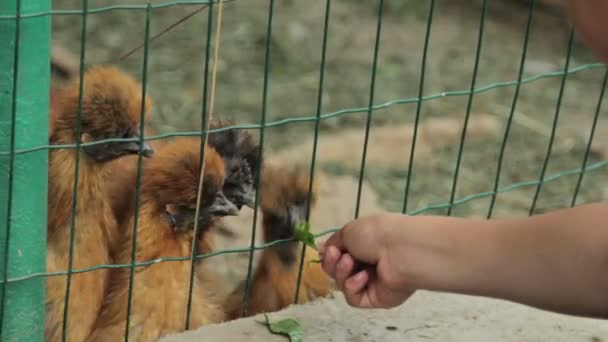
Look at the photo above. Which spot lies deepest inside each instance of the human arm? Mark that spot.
(556, 261)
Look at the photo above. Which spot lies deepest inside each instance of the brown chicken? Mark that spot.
(111, 108)
(123, 170)
(237, 149)
(165, 229)
(122, 189)
(284, 199)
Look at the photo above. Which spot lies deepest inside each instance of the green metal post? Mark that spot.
(24, 107)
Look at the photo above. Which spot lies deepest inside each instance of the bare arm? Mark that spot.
(556, 261)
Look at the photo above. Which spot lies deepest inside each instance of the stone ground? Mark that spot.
(425, 317)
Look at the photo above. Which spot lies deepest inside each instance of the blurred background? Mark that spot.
(176, 72)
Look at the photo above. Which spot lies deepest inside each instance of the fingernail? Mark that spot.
(343, 264)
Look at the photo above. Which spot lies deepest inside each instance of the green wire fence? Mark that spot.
(24, 103)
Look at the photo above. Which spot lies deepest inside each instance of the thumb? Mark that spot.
(336, 240)
(350, 239)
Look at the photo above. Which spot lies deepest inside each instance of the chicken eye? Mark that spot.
(171, 209)
(176, 209)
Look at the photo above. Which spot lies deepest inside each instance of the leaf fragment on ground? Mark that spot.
(288, 327)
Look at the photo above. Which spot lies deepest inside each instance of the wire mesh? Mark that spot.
(74, 209)
(313, 163)
(467, 116)
(520, 73)
(579, 182)
(372, 107)
(204, 119)
(555, 121)
(425, 51)
(139, 171)
(258, 176)
(372, 93)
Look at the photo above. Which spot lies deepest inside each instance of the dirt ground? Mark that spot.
(425, 317)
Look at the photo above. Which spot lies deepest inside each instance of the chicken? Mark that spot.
(165, 229)
(122, 170)
(111, 108)
(240, 153)
(284, 197)
(237, 149)
(122, 189)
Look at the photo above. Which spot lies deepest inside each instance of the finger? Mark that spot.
(337, 238)
(344, 269)
(329, 261)
(356, 290)
(321, 249)
(355, 284)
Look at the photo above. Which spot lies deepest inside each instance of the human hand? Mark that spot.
(365, 258)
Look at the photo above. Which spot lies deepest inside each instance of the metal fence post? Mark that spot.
(24, 103)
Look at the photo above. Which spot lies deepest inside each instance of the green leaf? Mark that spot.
(288, 327)
(302, 233)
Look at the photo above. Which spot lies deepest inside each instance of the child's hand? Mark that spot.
(365, 259)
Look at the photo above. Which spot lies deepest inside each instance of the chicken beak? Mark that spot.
(146, 150)
(223, 207)
(297, 214)
(134, 147)
(249, 199)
